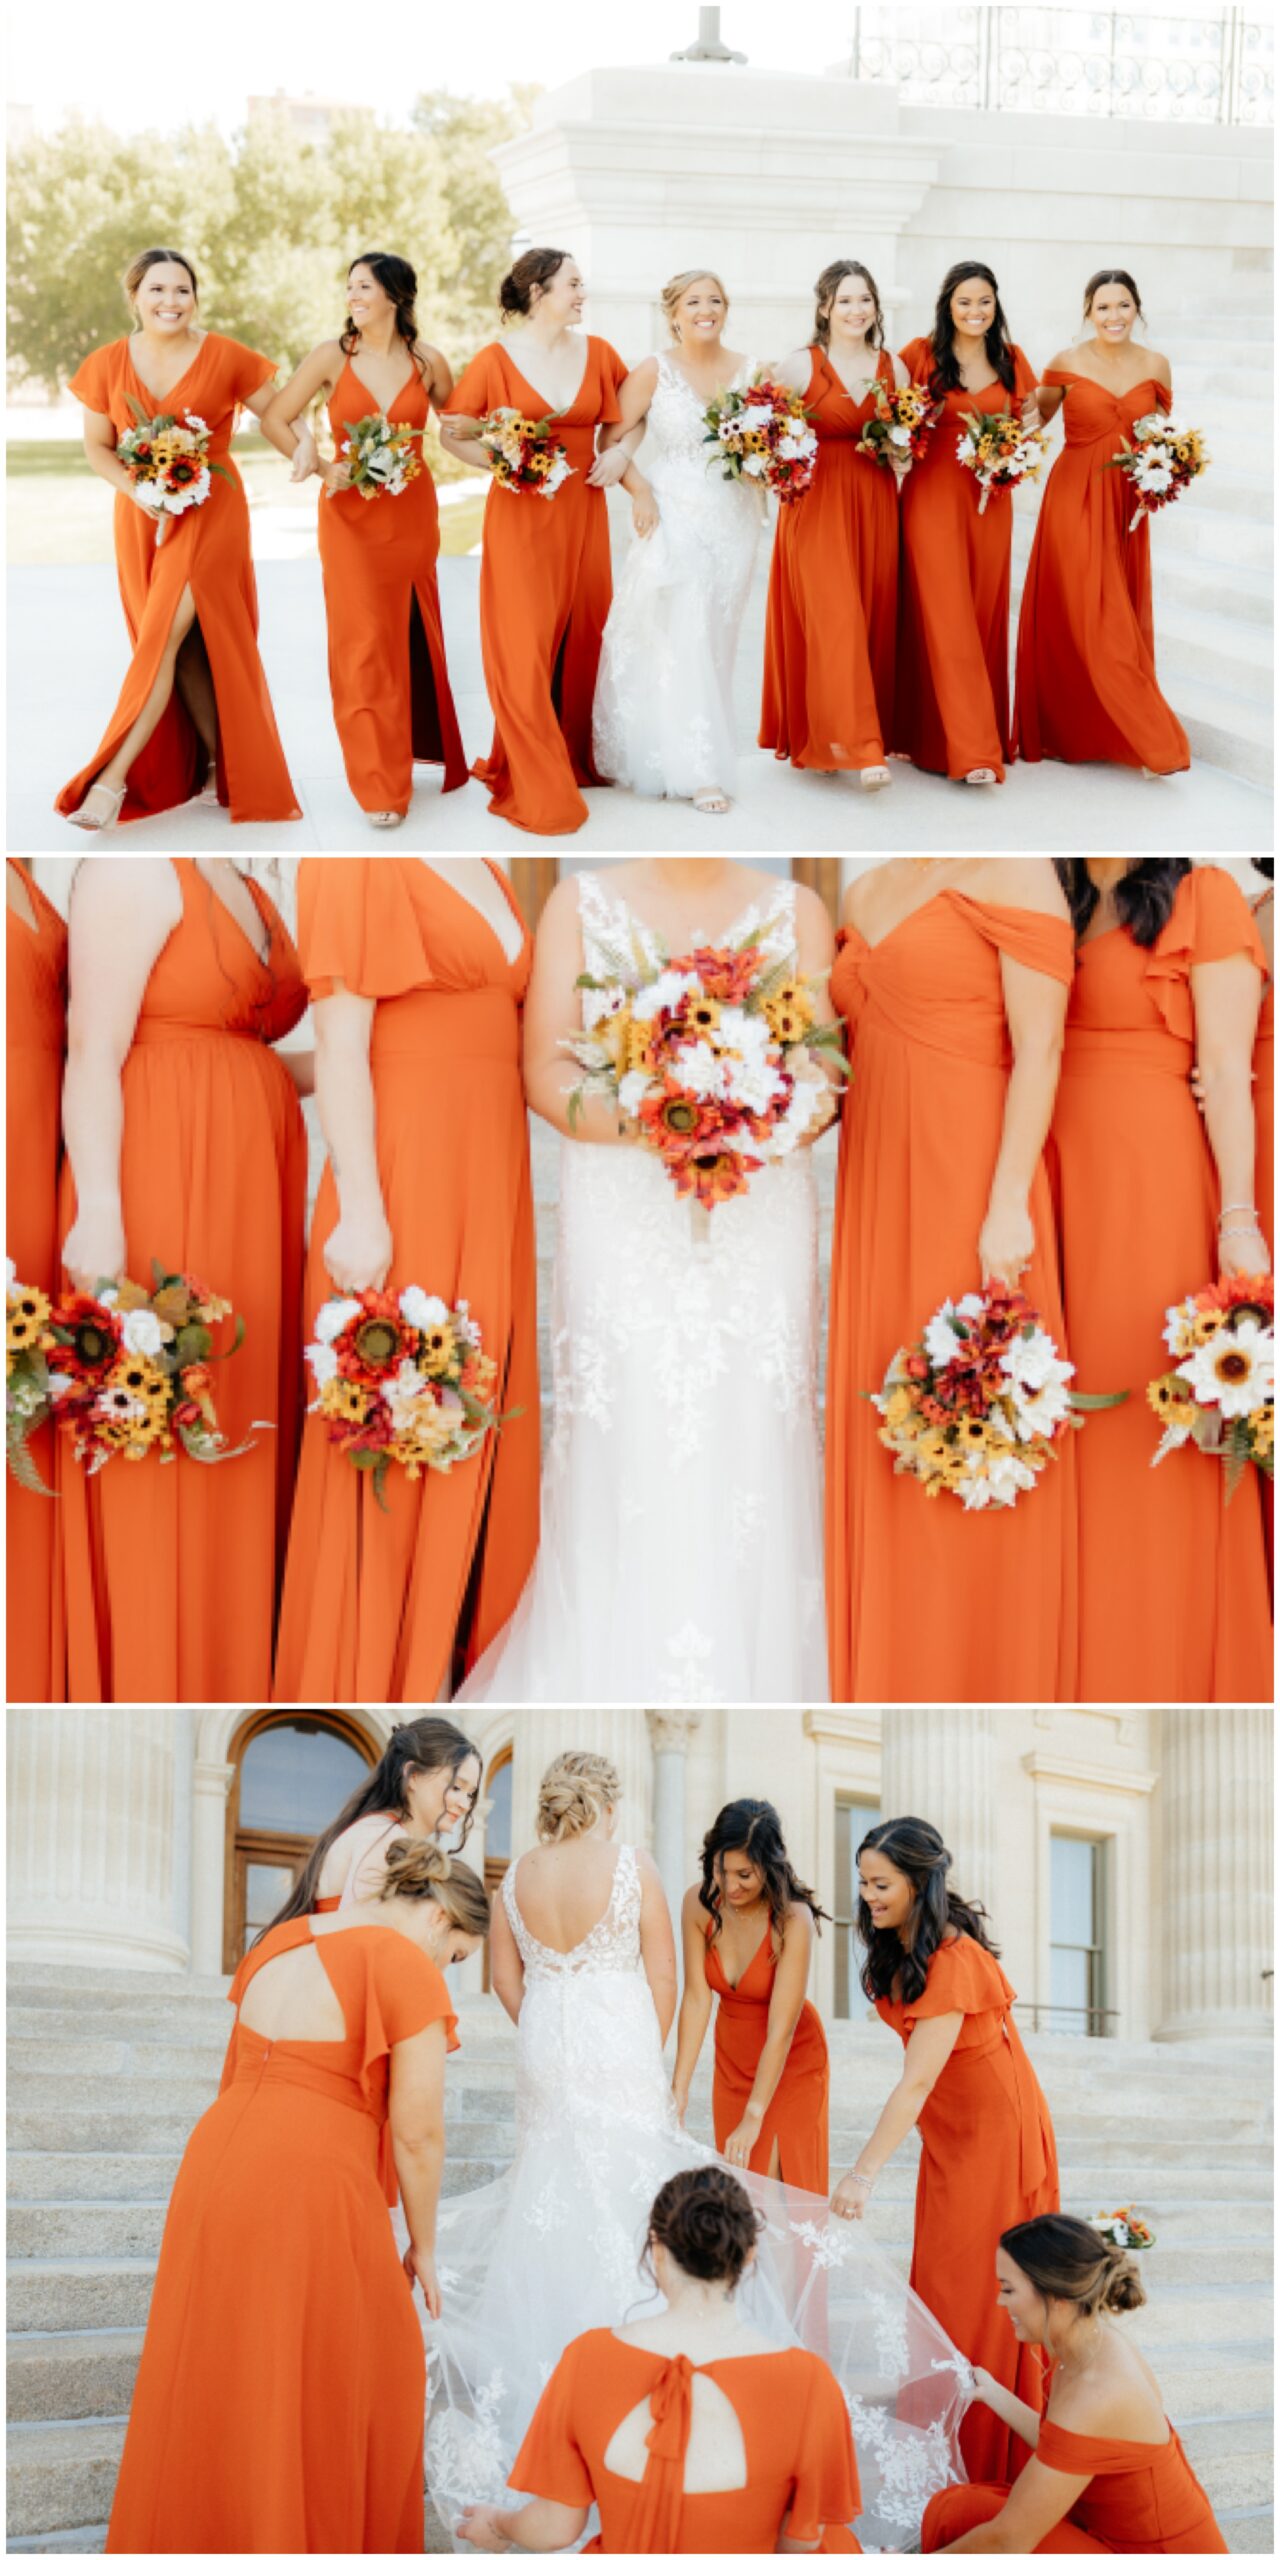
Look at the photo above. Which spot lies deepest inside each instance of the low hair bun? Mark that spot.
(576, 1791)
(413, 1864)
(538, 268)
(707, 2222)
(1123, 2289)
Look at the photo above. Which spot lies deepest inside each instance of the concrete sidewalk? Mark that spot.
(68, 654)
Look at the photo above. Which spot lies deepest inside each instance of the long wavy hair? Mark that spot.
(892, 1968)
(999, 345)
(399, 282)
(1144, 898)
(752, 1828)
(427, 1743)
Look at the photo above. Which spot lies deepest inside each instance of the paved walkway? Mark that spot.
(67, 657)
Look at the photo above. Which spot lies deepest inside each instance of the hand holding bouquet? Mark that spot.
(763, 434)
(1221, 1395)
(1163, 460)
(976, 1407)
(900, 431)
(402, 1379)
(129, 1370)
(1000, 451)
(168, 462)
(381, 460)
(527, 460)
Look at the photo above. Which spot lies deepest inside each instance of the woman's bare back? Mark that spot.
(563, 1888)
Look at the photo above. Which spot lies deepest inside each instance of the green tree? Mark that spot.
(461, 133)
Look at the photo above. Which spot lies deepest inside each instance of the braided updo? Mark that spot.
(421, 1871)
(1069, 2261)
(707, 2220)
(576, 1791)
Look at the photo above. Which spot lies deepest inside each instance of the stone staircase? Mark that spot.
(107, 2073)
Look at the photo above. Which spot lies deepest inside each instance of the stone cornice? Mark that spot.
(1086, 1773)
(833, 1724)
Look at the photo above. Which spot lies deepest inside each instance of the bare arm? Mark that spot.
(1006, 2405)
(358, 1252)
(695, 2005)
(790, 1984)
(657, 1944)
(1036, 1011)
(416, 2116)
(100, 454)
(122, 914)
(300, 1064)
(1050, 395)
(544, 2525)
(793, 372)
(816, 946)
(1227, 995)
(439, 376)
(316, 374)
(928, 2050)
(552, 1013)
(506, 1969)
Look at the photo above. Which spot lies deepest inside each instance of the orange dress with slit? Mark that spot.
(374, 1601)
(1140, 2497)
(545, 589)
(797, 2114)
(207, 550)
(987, 2160)
(170, 1573)
(281, 2396)
(1086, 689)
(35, 1043)
(952, 690)
(833, 594)
(799, 2450)
(387, 671)
(1173, 1589)
(917, 1587)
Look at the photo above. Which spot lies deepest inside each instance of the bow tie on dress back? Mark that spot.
(656, 2522)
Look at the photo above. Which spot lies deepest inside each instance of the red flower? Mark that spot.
(727, 975)
(712, 1178)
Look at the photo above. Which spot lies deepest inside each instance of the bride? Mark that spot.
(583, 1960)
(663, 719)
(681, 1546)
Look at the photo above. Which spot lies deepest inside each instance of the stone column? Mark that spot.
(670, 1729)
(210, 1788)
(939, 1764)
(1215, 1836)
(91, 1841)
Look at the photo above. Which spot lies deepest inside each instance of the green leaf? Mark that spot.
(1097, 1404)
(193, 1342)
(234, 1344)
(1235, 1455)
(379, 1481)
(22, 1466)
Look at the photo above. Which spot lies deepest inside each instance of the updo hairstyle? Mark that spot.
(537, 267)
(421, 1871)
(576, 1791)
(1113, 275)
(1068, 2261)
(674, 291)
(707, 2220)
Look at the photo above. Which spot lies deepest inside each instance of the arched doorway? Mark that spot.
(292, 1775)
(497, 1829)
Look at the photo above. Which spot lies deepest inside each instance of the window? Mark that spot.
(854, 1818)
(497, 1831)
(1077, 1982)
(294, 1774)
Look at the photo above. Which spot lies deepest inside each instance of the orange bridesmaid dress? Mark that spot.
(373, 1600)
(387, 672)
(797, 2114)
(170, 1573)
(952, 689)
(1086, 688)
(800, 2455)
(1264, 1103)
(281, 2397)
(36, 1040)
(1173, 1591)
(833, 594)
(545, 590)
(1141, 2497)
(917, 1588)
(207, 550)
(987, 2160)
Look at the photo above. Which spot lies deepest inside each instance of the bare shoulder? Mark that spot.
(645, 373)
(1159, 367)
(1021, 880)
(859, 897)
(130, 886)
(691, 1903)
(800, 1923)
(558, 923)
(811, 910)
(1064, 361)
(900, 374)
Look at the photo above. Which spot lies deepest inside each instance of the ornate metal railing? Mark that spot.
(1214, 67)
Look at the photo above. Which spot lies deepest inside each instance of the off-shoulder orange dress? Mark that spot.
(1173, 1589)
(1140, 2497)
(833, 594)
(987, 2159)
(799, 2450)
(545, 590)
(1264, 1102)
(374, 1601)
(35, 1044)
(797, 2115)
(281, 2396)
(207, 550)
(1086, 688)
(951, 693)
(387, 671)
(170, 1573)
(917, 1587)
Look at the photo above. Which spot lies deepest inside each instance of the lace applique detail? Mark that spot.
(612, 1946)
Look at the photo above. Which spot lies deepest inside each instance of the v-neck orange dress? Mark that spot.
(375, 1601)
(35, 1046)
(797, 2115)
(281, 2395)
(801, 2462)
(170, 1573)
(387, 673)
(545, 589)
(833, 594)
(1086, 687)
(1140, 2497)
(952, 690)
(207, 550)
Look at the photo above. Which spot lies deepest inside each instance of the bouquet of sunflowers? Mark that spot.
(1163, 460)
(763, 434)
(978, 1404)
(527, 459)
(1000, 451)
(902, 426)
(1221, 1395)
(381, 459)
(169, 461)
(402, 1379)
(129, 1370)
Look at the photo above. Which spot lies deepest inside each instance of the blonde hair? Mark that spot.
(576, 1791)
(421, 1871)
(673, 293)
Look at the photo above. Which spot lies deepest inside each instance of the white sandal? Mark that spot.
(386, 817)
(97, 825)
(981, 773)
(712, 802)
(873, 777)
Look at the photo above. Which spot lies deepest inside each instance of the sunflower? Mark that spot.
(437, 1349)
(28, 1314)
(1169, 1400)
(1205, 1323)
(788, 1012)
(639, 1053)
(377, 1341)
(702, 1016)
(343, 1402)
(1262, 1430)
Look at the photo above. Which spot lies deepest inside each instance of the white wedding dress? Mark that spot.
(552, 2247)
(663, 718)
(681, 1546)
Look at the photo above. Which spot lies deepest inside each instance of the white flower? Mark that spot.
(1032, 1361)
(632, 1089)
(900, 435)
(1155, 475)
(192, 420)
(10, 1273)
(324, 1362)
(941, 1341)
(1246, 1392)
(793, 448)
(407, 1384)
(420, 1310)
(1178, 1321)
(699, 1070)
(143, 1334)
(755, 466)
(664, 992)
(177, 504)
(59, 1383)
(599, 1004)
(334, 1316)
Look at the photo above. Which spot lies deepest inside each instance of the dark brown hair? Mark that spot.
(427, 1742)
(891, 1969)
(1068, 2261)
(1112, 275)
(1144, 897)
(133, 274)
(708, 2222)
(537, 267)
(999, 346)
(825, 291)
(400, 285)
(754, 1830)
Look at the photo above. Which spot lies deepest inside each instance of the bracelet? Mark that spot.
(1252, 1229)
(1238, 1208)
(860, 2178)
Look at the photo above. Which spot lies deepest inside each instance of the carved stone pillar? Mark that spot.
(210, 1788)
(1215, 1830)
(91, 1836)
(670, 1731)
(938, 1763)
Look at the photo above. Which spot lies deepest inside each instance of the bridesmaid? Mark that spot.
(833, 580)
(194, 713)
(185, 1144)
(387, 671)
(545, 582)
(417, 972)
(954, 978)
(1173, 1593)
(987, 2152)
(952, 691)
(280, 2398)
(1086, 674)
(36, 1039)
(426, 1784)
(748, 1931)
(1107, 2471)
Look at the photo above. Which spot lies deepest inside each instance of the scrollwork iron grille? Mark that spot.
(1215, 67)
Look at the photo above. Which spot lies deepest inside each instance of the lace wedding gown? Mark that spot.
(663, 718)
(552, 2247)
(681, 1546)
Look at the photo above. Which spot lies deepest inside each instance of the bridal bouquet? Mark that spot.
(381, 459)
(129, 1370)
(763, 434)
(1163, 460)
(170, 461)
(403, 1378)
(526, 456)
(28, 1400)
(903, 424)
(1221, 1395)
(976, 1406)
(1124, 2227)
(1000, 451)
